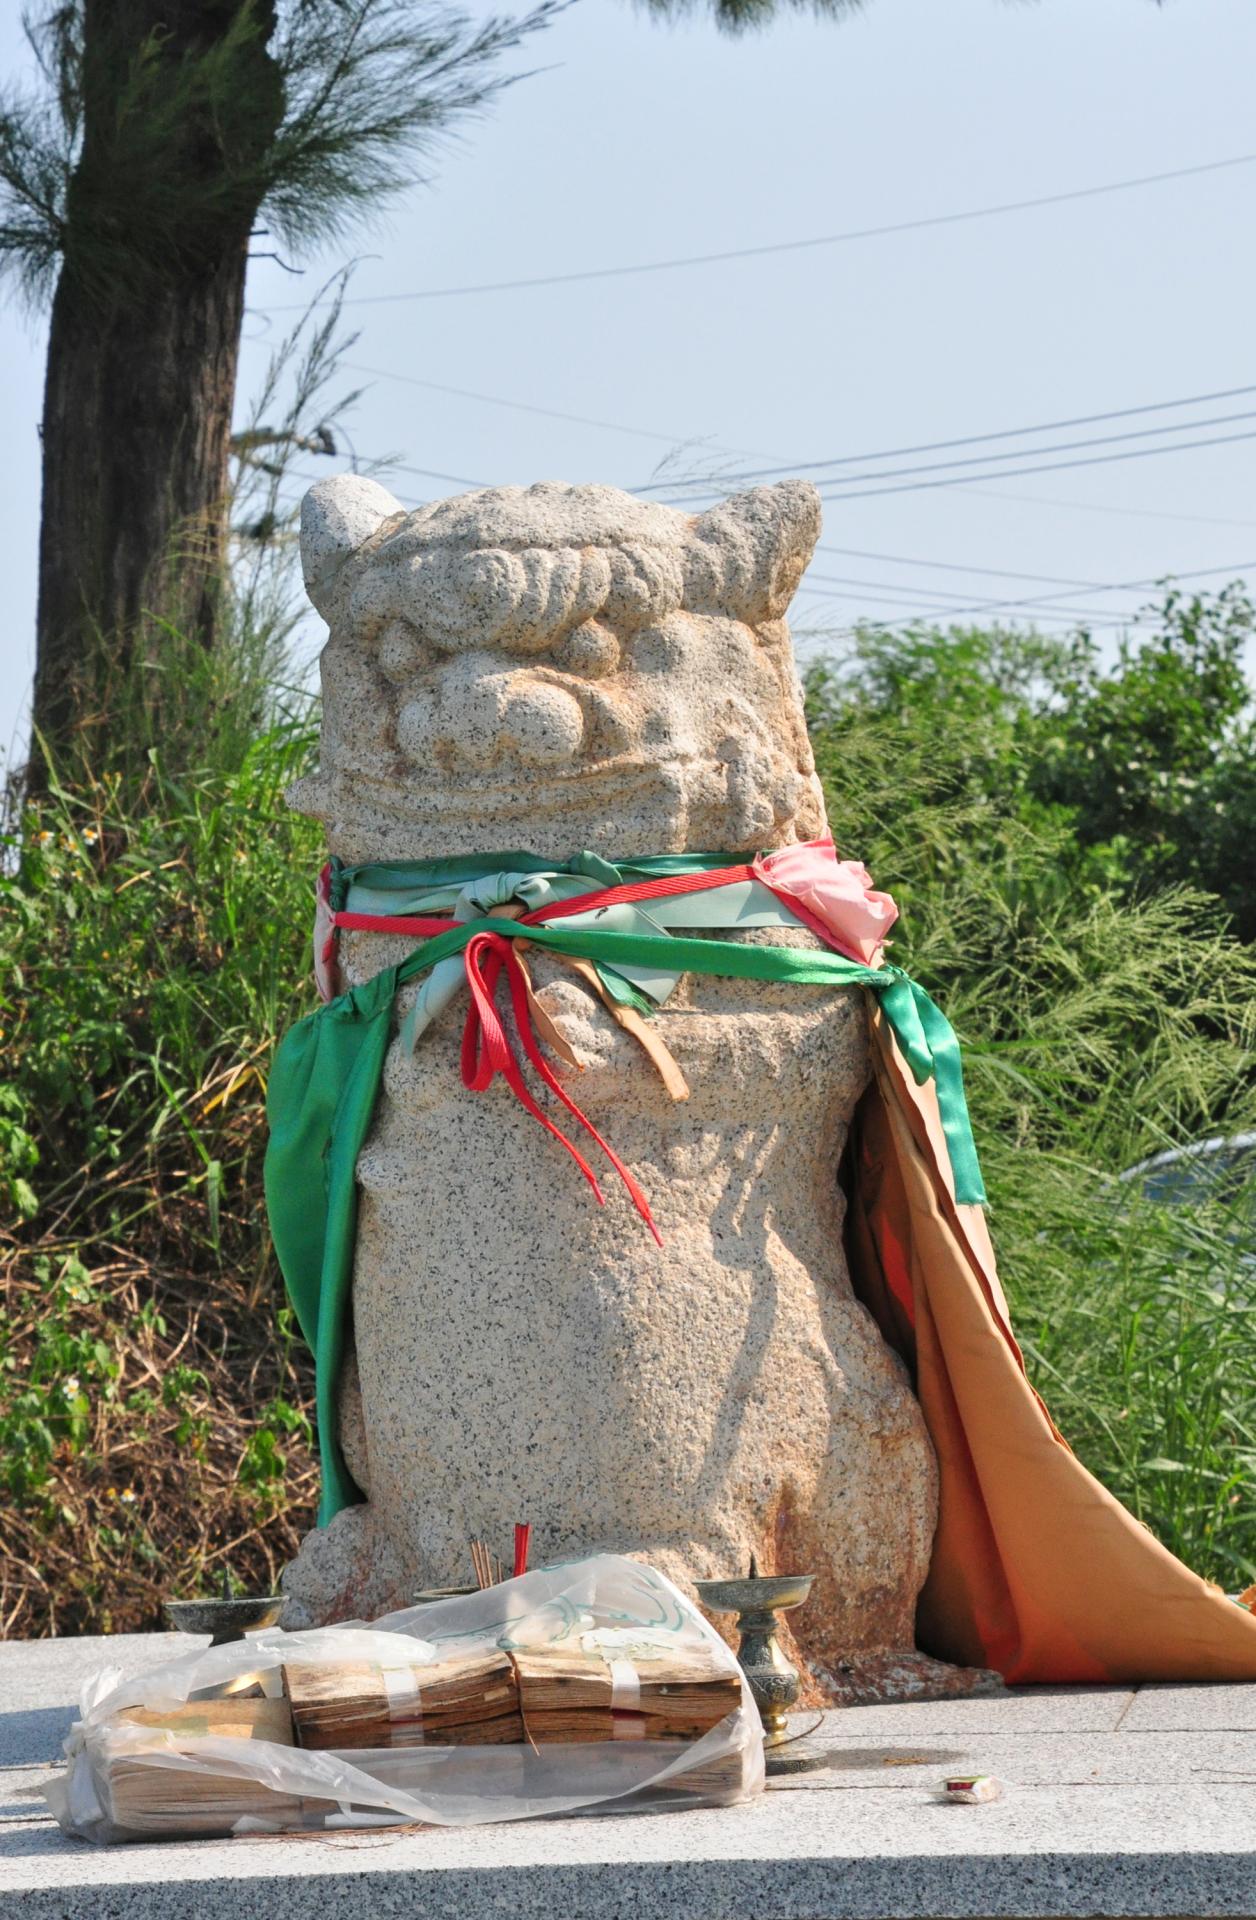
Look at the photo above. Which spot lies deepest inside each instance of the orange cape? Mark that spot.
(1037, 1570)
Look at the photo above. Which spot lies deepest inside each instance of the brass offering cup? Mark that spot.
(756, 1600)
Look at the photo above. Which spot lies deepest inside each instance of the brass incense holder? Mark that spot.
(756, 1600)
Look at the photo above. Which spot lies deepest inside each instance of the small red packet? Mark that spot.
(972, 1789)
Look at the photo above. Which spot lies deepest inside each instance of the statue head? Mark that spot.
(555, 667)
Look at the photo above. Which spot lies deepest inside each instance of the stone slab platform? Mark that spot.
(1123, 1802)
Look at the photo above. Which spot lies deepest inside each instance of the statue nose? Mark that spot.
(480, 718)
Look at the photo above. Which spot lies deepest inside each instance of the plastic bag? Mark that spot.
(574, 1687)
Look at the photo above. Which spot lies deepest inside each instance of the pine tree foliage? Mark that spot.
(151, 131)
(739, 16)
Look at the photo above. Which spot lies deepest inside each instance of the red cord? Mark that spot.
(486, 1048)
(425, 928)
(486, 1052)
(660, 889)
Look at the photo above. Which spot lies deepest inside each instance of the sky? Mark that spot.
(628, 142)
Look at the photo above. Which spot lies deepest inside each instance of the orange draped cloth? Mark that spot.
(1037, 1570)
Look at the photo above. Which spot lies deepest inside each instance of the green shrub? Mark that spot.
(1101, 1020)
(154, 943)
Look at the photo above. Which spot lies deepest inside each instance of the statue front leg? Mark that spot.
(345, 1571)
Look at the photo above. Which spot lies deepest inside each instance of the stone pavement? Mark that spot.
(1118, 1801)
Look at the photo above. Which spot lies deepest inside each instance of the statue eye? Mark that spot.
(401, 650)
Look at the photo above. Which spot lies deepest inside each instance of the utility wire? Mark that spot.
(1033, 453)
(652, 486)
(555, 413)
(1235, 568)
(895, 589)
(888, 587)
(926, 609)
(616, 426)
(785, 246)
(384, 467)
(979, 439)
(811, 579)
(1017, 453)
(951, 566)
(1094, 506)
(1054, 466)
(1049, 467)
(891, 593)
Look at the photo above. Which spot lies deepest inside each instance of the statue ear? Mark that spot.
(337, 515)
(747, 555)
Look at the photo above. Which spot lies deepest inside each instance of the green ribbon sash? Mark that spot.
(325, 1079)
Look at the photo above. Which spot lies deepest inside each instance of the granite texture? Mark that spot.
(554, 667)
(846, 1762)
(1145, 1851)
(1096, 1820)
(39, 1696)
(1166, 1706)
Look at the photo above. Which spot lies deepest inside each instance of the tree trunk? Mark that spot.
(144, 343)
(136, 431)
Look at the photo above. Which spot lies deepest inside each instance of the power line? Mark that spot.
(427, 473)
(979, 439)
(548, 413)
(785, 246)
(896, 590)
(1093, 506)
(1236, 568)
(953, 566)
(1017, 453)
(801, 635)
(813, 583)
(925, 608)
(1060, 446)
(1055, 466)
(890, 593)
(897, 587)
(385, 467)
(924, 447)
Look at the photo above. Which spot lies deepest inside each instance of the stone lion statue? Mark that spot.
(557, 668)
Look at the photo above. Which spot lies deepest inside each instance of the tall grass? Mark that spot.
(154, 939)
(154, 942)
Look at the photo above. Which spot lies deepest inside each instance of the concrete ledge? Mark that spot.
(1119, 1802)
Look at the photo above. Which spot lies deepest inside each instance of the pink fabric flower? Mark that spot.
(835, 897)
